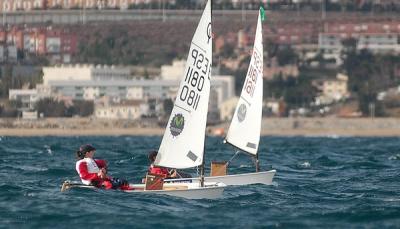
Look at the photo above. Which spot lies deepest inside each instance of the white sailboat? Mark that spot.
(182, 145)
(245, 128)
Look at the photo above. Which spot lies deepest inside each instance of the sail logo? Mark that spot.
(209, 32)
(241, 114)
(177, 125)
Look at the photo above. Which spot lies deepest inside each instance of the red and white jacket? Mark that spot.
(88, 169)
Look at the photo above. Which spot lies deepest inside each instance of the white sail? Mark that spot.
(244, 131)
(183, 142)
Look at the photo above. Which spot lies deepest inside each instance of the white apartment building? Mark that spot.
(119, 111)
(121, 89)
(88, 82)
(28, 97)
(84, 73)
(375, 42)
(174, 71)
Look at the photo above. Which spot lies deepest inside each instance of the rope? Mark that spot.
(237, 152)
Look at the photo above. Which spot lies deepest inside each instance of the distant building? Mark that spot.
(174, 71)
(374, 36)
(332, 90)
(30, 115)
(27, 97)
(8, 53)
(88, 82)
(124, 110)
(227, 108)
(28, 5)
(58, 44)
(274, 69)
(274, 107)
(85, 72)
(378, 43)
(222, 86)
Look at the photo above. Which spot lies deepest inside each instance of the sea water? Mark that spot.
(320, 183)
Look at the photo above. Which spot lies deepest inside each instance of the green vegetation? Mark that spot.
(10, 80)
(53, 108)
(296, 91)
(9, 108)
(122, 45)
(369, 74)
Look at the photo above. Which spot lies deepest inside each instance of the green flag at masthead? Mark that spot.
(262, 13)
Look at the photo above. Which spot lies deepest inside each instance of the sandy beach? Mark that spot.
(159, 132)
(270, 127)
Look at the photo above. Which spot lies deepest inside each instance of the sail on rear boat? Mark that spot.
(245, 127)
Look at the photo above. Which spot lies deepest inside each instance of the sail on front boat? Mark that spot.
(182, 145)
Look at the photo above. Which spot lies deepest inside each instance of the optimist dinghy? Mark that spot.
(182, 145)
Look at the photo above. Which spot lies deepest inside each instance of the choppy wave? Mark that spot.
(320, 182)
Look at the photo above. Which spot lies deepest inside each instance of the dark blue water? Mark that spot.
(320, 182)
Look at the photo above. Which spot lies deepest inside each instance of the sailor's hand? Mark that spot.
(102, 174)
(172, 173)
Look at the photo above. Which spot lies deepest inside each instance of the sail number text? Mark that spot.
(255, 68)
(194, 79)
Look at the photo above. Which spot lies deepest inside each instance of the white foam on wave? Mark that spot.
(29, 194)
(333, 136)
(395, 157)
(392, 200)
(48, 149)
(31, 168)
(305, 164)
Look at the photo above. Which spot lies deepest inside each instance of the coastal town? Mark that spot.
(108, 64)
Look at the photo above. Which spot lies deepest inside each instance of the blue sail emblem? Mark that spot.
(241, 114)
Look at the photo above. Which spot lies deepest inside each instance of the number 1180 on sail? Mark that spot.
(194, 80)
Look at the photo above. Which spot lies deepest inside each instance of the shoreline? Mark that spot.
(22, 132)
(308, 127)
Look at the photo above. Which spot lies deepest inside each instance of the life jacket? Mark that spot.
(157, 170)
(92, 167)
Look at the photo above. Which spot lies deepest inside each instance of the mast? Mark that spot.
(202, 169)
(257, 164)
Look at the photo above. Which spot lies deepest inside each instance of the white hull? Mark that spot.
(211, 190)
(265, 177)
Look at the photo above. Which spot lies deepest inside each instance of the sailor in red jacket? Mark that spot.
(94, 171)
(159, 170)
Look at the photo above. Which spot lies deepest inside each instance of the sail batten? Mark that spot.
(245, 128)
(182, 145)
